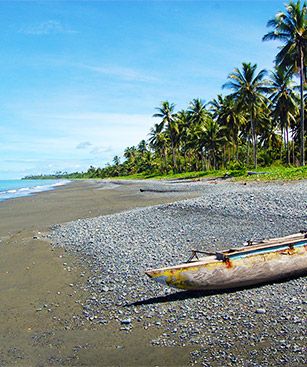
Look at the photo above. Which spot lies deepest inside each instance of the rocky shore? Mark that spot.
(260, 326)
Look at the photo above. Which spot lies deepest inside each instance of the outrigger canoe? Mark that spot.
(257, 262)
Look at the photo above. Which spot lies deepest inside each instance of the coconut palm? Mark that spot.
(116, 165)
(213, 137)
(290, 27)
(183, 123)
(142, 147)
(249, 89)
(166, 112)
(226, 112)
(270, 139)
(197, 111)
(198, 116)
(158, 142)
(284, 102)
(130, 153)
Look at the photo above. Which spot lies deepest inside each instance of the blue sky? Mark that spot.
(80, 79)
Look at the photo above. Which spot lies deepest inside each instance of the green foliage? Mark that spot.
(290, 28)
(235, 165)
(279, 173)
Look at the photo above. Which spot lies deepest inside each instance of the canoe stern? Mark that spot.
(180, 277)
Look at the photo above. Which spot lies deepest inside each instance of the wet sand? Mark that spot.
(41, 287)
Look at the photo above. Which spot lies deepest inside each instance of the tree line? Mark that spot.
(260, 121)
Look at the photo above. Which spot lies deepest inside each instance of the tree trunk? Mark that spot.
(185, 161)
(174, 156)
(189, 162)
(214, 160)
(254, 142)
(196, 161)
(165, 160)
(287, 146)
(302, 135)
(202, 159)
(281, 145)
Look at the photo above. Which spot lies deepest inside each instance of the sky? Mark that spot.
(80, 80)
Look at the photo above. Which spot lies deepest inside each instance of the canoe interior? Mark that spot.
(271, 245)
(262, 247)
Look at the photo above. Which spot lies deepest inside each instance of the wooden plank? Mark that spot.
(264, 243)
(220, 255)
(243, 250)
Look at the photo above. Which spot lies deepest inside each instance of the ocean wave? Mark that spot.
(28, 190)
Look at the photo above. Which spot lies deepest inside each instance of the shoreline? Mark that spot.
(41, 315)
(79, 199)
(19, 191)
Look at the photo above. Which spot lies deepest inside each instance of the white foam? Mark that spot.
(25, 191)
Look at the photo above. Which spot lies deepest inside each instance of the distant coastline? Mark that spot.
(269, 173)
(55, 176)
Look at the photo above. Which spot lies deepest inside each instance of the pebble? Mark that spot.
(118, 248)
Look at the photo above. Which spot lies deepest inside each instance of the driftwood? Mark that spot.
(257, 173)
(161, 191)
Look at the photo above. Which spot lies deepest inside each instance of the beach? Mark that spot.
(73, 285)
(37, 302)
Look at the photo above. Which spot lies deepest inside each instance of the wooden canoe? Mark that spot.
(260, 262)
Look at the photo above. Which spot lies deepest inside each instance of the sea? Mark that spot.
(10, 189)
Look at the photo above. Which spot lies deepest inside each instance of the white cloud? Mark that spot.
(15, 168)
(52, 146)
(100, 150)
(84, 145)
(120, 72)
(46, 28)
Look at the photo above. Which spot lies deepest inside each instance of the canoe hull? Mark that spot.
(235, 273)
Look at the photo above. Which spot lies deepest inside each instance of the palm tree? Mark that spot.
(291, 28)
(130, 154)
(142, 147)
(197, 111)
(226, 112)
(183, 122)
(198, 116)
(283, 98)
(248, 92)
(270, 140)
(158, 142)
(213, 137)
(166, 112)
(116, 163)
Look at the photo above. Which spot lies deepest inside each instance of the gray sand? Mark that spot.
(40, 309)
